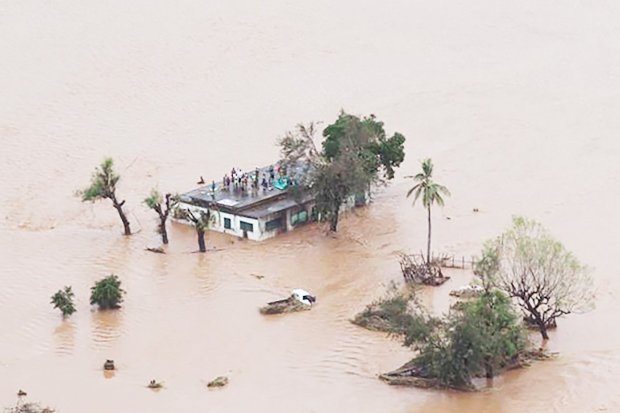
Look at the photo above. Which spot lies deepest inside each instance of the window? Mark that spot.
(273, 224)
(246, 226)
(300, 217)
(227, 223)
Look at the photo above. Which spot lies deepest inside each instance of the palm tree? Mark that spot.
(431, 194)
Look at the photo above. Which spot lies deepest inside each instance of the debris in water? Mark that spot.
(153, 384)
(220, 381)
(109, 365)
(157, 250)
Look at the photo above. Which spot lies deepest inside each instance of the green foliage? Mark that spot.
(366, 139)
(63, 300)
(431, 192)
(547, 280)
(203, 220)
(154, 200)
(107, 292)
(482, 338)
(399, 314)
(103, 182)
(103, 185)
(355, 153)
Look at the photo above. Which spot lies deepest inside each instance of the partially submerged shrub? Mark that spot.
(107, 292)
(63, 300)
(220, 381)
(398, 313)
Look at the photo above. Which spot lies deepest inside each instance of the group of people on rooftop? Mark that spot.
(273, 177)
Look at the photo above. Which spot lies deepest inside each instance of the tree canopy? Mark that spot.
(547, 280)
(63, 300)
(355, 153)
(107, 292)
(103, 186)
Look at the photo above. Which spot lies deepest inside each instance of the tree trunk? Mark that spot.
(333, 226)
(428, 245)
(488, 368)
(162, 230)
(543, 330)
(119, 208)
(201, 240)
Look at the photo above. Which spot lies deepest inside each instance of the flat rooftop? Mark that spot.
(253, 202)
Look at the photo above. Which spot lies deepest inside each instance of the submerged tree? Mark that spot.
(356, 153)
(482, 338)
(107, 292)
(202, 222)
(431, 193)
(547, 281)
(102, 186)
(162, 205)
(63, 300)
(479, 337)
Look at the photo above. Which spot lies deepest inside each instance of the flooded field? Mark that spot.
(517, 105)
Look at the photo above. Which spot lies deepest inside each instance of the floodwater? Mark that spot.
(516, 103)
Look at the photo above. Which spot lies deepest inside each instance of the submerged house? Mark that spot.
(256, 211)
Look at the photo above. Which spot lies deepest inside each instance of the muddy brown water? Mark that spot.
(517, 105)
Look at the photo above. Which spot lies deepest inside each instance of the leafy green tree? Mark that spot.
(162, 205)
(102, 186)
(335, 182)
(202, 222)
(482, 338)
(63, 300)
(547, 281)
(356, 153)
(107, 292)
(431, 193)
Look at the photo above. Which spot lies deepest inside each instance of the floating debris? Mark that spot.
(153, 384)
(109, 365)
(220, 381)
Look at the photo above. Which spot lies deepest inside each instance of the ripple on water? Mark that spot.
(107, 327)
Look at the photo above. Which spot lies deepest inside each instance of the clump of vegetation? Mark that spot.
(481, 338)
(162, 205)
(355, 153)
(397, 313)
(63, 300)
(547, 281)
(102, 186)
(484, 337)
(107, 292)
(220, 381)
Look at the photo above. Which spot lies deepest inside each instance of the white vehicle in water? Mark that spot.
(303, 296)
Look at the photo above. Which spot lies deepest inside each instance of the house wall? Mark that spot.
(235, 220)
(259, 226)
